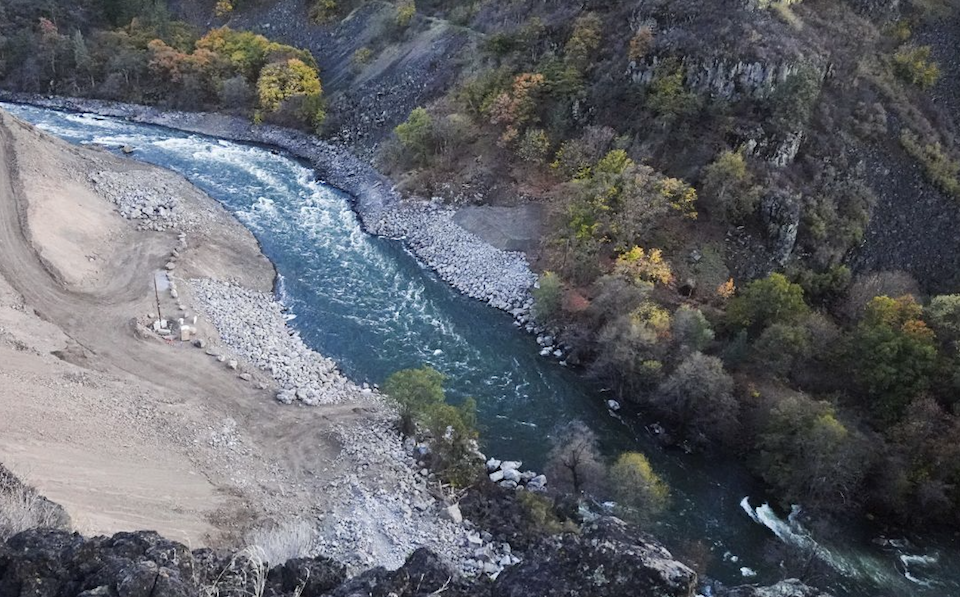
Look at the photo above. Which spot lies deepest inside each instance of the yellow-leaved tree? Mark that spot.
(640, 493)
(291, 82)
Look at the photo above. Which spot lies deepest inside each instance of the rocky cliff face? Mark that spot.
(722, 77)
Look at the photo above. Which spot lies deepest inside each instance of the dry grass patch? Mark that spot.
(22, 508)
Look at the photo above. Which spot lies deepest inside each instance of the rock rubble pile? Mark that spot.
(253, 324)
(507, 474)
(500, 278)
(154, 202)
(381, 525)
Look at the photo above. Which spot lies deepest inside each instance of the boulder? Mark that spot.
(452, 513)
(496, 476)
(507, 465)
(421, 575)
(511, 474)
(50, 562)
(607, 559)
(306, 577)
(537, 483)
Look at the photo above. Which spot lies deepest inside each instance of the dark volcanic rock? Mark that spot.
(51, 563)
(316, 576)
(605, 560)
(421, 575)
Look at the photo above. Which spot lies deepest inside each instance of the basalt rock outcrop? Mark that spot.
(726, 78)
(605, 560)
(53, 563)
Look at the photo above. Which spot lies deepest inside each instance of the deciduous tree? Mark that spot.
(698, 398)
(640, 493)
(574, 464)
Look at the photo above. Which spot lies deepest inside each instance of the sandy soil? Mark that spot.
(128, 431)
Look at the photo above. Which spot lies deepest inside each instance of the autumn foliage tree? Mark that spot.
(892, 354)
(766, 301)
(640, 493)
(514, 109)
(809, 455)
(617, 202)
(644, 267)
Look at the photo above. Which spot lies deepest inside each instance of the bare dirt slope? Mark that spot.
(128, 431)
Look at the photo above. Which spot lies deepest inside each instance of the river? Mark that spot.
(367, 303)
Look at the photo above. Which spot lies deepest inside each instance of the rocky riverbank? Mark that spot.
(500, 278)
(253, 324)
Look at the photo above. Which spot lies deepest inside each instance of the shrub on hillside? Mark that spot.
(640, 44)
(892, 355)
(291, 88)
(547, 297)
(783, 347)
(223, 8)
(416, 135)
(940, 168)
(923, 466)
(667, 95)
(943, 313)
(642, 267)
(361, 57)
(406, 10)
(617, 204)
(416, 392)
(728, 186)
(914, 65)
(769, 300)
(691, 330)
(810, 456)
(322, 11)
(868, 286)
(584, 40)
(534, 146)
(792, 102)
(576, 157)
(541, 514)
(630, 347)
(236, 93)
